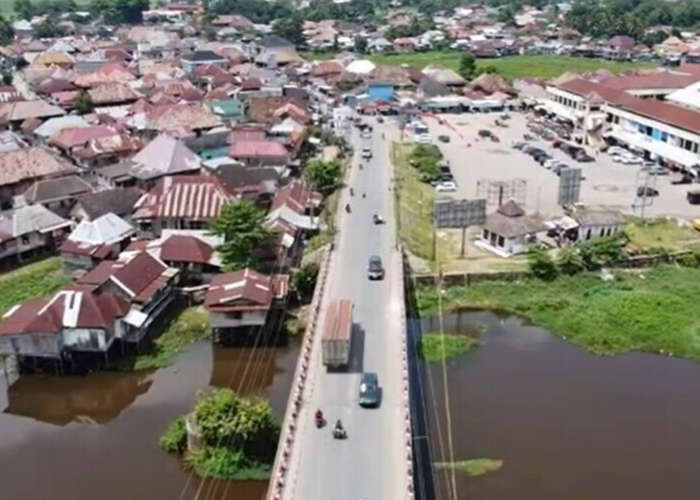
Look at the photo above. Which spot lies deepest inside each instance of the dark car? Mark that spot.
(370, 393)
(375, 268)
(646, 191)
(584, 158)
(444, 138)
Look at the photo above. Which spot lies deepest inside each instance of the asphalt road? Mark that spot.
(368, 465)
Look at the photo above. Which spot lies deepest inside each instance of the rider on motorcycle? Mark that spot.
(347, 207)
(319, 414)
(338, 426)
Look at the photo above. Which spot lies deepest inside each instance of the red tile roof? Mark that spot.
(296, 196)
(69, 138)
(182, 248)
(245, 290)
(139, 273)
(193, 197)
(668, 81)
(76, 308)
(259, 150)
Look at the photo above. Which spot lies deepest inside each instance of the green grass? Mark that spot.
(415, 204)
(660, 233)
(32, 281)
(435, 347)
(473, 468)
(653, 310)
(185, 329)
(7, 6)
(511, 68)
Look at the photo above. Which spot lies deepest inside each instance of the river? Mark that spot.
(96, 437)
(566, 423)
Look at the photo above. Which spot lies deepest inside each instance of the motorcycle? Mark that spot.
(347, 207)
(378, 219)
(320, 421)
(339, 433)
(352, 192)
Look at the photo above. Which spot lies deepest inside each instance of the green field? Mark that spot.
(7, 6)
(511, 68)
(39, 279)
(650, 310)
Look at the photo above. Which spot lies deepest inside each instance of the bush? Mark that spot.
(541, 265)
(304, 280)
(174, 440)
(570, 262)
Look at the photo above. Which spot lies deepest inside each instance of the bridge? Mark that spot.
(376, 461)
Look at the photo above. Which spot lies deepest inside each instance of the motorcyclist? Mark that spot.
(338, 426)
(319, 414)
(352, 192)
(364, 195)
(347, 207)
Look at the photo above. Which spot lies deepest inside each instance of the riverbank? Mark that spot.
(650, 310)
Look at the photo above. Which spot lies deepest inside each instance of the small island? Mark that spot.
(229, 437)
(436, 347)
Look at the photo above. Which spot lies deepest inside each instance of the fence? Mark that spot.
(466, 279)
(405, 393)
(289, 424)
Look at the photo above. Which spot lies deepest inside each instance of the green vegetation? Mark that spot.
(39, 279)
(436, 347)
(652, 310)
(188, 327)
(473, 468)
(321, 175)
(645, 235)
(247, 242)
(415, 198)
(510, 68)
(238, 437)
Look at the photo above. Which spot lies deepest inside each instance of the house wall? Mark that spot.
(90, 340)
(586, 233)
(190, 66)
(26, 243)
(36, 344)
(511, 246)
(235, 320)
(73, 262)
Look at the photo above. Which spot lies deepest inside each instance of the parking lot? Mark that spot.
(476, 162)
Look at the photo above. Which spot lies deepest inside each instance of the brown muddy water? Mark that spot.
(96, 437)
(567, 424)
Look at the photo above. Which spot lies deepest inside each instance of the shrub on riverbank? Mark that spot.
(651, 310)
(473, 468)
(238, 437)
(189, 326)
(437, 347)
(32, 281)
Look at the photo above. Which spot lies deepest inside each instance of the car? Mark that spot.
(375, 268)
(444, 138)
(655, 170)
(551, 163)
(446, 187)
(380, 119)
(543, 158)
(584, 158)
(646, 191)
(631, 160)
(370, 392)
(366, 153)
(446, 177)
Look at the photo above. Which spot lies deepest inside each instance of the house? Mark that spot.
(262, 152)
(182, 202)
(72, 322)
(404, 45)
(379, 91)
(507, 232)
(165, 155)
(190, 62)
(94, 241)
(597, 224)
(192, 252)
(58, 194)
(142, 279)
(29, 230)
(91, 206)
(12, 114)
(242, 304)
(297, 205)
(229, 110)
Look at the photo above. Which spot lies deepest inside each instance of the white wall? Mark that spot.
(84, 339)
(252, 318)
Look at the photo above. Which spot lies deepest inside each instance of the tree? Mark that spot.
(24, 9)
(48, 29)
(7, 33)
(82, 103)
(119, 11)
(304, 281)
(570, 261)
(467, 66)
(290, 29)
(7, 78)
(360, 44)
(323, 177)
(541, 265)
(247, 243)
(506, 15)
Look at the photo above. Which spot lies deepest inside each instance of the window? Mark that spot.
(235, 315)
(25, 239)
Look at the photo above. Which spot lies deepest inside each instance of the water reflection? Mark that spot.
(568, 424)
(96, 399)
(97, 436)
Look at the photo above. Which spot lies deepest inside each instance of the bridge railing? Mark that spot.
(405, 385)
(290, 423)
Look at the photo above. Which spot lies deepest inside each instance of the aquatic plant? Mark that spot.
(437, 347)
(474, 467)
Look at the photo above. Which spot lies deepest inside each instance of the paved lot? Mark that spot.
(607, 184)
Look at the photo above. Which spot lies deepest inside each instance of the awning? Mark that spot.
(135, 318)
(656, 148)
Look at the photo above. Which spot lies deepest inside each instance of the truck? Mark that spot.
(337, 334)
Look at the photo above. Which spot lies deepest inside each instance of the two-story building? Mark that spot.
(30, 230)
(191, 62)
(94, 241)
(245, 304)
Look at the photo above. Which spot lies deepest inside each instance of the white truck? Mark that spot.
(337, 334)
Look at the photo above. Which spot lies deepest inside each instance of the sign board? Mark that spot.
(459, 213)
(569, 186)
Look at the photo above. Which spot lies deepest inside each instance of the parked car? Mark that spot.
(444, 138)
(446, 187)
(551, 163)
(375, 268)
(646, 191)
(584, 158)
(655, 170)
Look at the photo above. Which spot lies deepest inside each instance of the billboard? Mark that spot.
(459, 213)
(569, 186)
